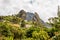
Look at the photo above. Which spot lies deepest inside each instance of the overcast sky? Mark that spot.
(45, 8)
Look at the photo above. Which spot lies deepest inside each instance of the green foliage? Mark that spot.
(41, 35)
(55, 22)
(5, 30)
(51, 31)
(14, 33)
(30, 30)
(54, 31)
(8, 31)
(22, 23)
(56, 37)
(12, 19)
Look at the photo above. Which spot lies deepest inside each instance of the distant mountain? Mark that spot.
(31, 17)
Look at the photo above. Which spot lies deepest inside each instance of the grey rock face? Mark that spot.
(31, 17)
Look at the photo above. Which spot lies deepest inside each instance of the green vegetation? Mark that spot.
(14, 28)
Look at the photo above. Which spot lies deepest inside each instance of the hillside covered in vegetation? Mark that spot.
(15, 28)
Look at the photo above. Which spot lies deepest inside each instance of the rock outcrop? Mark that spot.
(30, 17)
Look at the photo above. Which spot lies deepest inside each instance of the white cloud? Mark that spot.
(45, 8)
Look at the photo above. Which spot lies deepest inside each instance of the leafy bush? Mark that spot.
(8, 31)
(42, 35)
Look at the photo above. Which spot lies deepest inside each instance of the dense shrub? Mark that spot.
(8, 31)
(41, 35)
